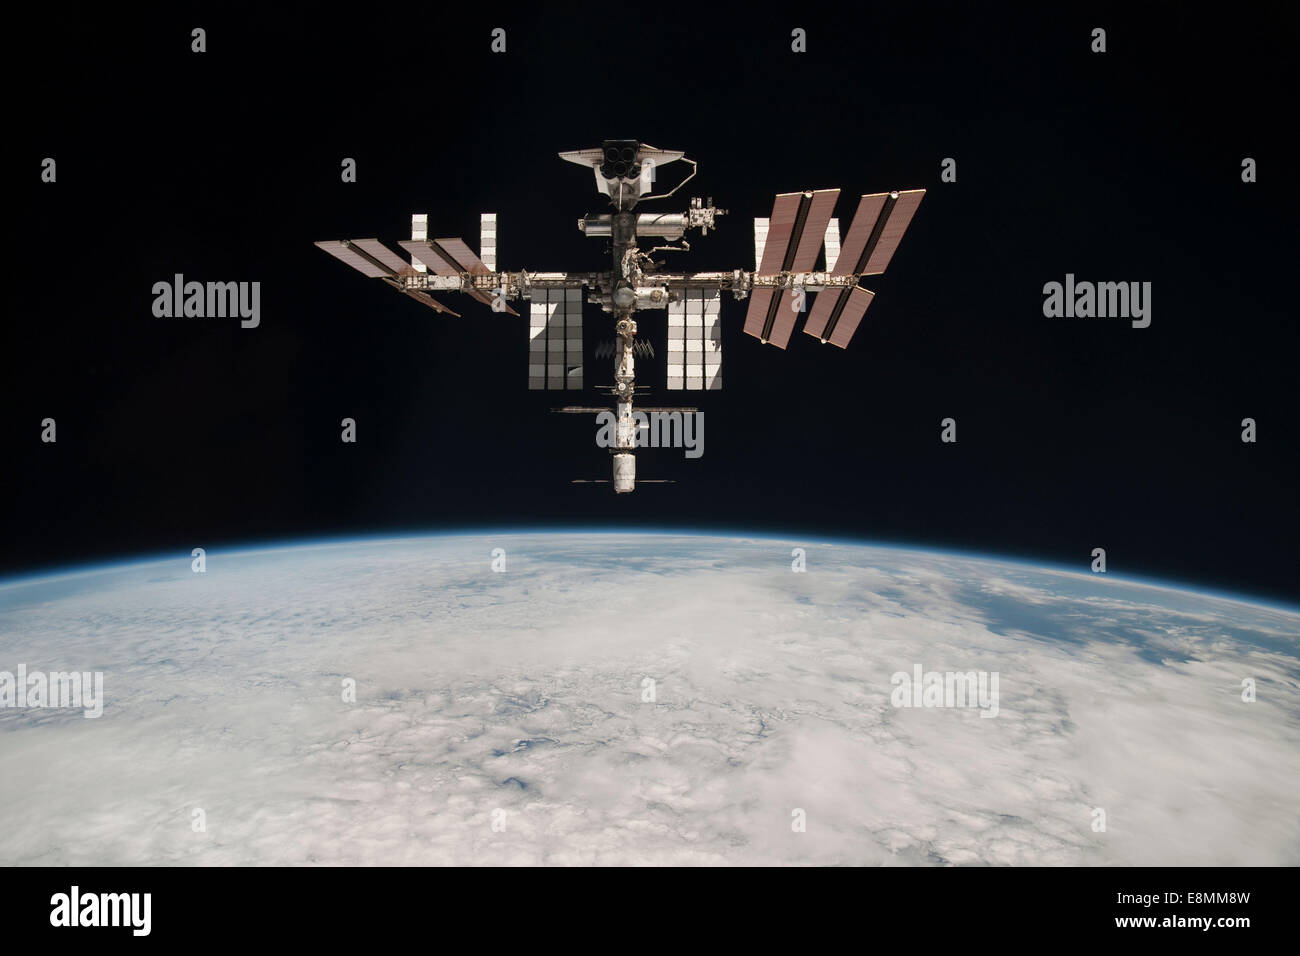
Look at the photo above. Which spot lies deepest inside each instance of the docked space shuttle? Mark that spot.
(787, 246)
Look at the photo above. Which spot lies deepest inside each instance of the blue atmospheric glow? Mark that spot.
(795, 538)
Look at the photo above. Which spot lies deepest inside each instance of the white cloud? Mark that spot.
(522, 692)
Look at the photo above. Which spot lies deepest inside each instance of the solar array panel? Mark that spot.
(760, 301)
(785, 213)
(425, 299)
(779, 322)
(341, 249)
(694, 354)
(555, 339)
(382, 254)
(849, 317)
(834, 318)
(772, 315)
(695, 340)
(789, 241)
(876, 230)
(892, 233)
(431, 255)
(712, 339)
(677, 344)
(824, 305)
(480, 295)
(464, 256)
(572, 336)
(810, 233)
(860, 228)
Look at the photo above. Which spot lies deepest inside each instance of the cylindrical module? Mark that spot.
(670, 225)
(625, 427)
(597, 225)
(624, 472)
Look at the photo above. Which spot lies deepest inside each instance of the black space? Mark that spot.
(1073, 433)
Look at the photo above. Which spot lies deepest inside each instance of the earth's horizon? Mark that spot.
(643, 698)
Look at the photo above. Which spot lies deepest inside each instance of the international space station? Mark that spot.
(785, 275)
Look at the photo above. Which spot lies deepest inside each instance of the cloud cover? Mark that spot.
(522, 692)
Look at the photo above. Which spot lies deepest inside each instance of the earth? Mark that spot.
(644, 699)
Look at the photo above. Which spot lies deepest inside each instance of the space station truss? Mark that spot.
(695, 340)
(784, 285)
(555, 339)
(787, 284)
